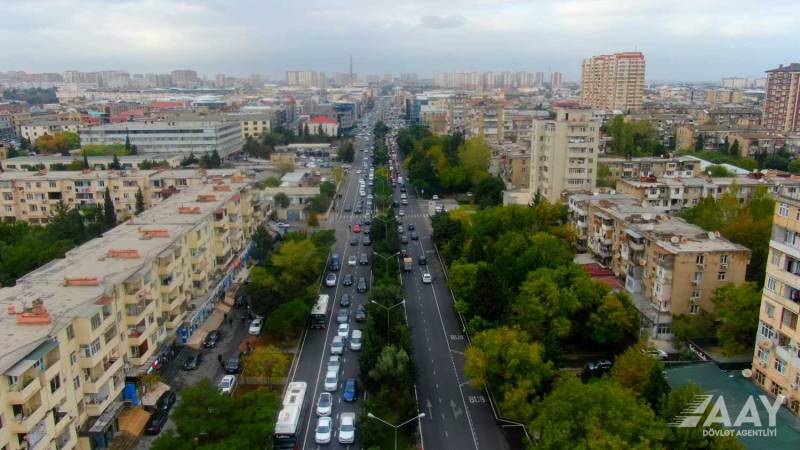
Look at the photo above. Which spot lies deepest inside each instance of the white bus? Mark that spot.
(319, 313)
(287, 428)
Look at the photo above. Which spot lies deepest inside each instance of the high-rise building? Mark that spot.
(613, 81)
(185, 78)
(555, 80)
(782, 105)
(220, 80)
(305, 78)
(564, 149)
(539, 80)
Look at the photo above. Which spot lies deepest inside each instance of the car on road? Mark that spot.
(411, 227)
(323, 431)
(404, 202)
(348, 208)
(656, 353)
(597, 368)
(343, 331)
(325, 404)
(350, 393)
(435, 197)
(330, 280)
(368, 219)
(227, 385)
(356, 228)
(401, 213)
(334, 363)
(342, 316)
(363, 259)
(357, 210)
(366, 241)
(423, 260)
(344, 300)
(361, 313)
(212, 339)
(355, 340)
(427, 278)
(255, 327)
(414, 236)
(354, 240)
(352, 260)
(156, 422)
(166, 400)
(347, 428)
(347, 280)
(403, 239)
(400, 229)
(337, 346)
(331, 381)
(362, 285)
(193, 361)
(233, 365)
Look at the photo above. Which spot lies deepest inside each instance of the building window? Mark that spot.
(70, 332)
(700, 259)
(776, 259)
(763, 355)
(783, 211)
(759, 377)
(696, 293)
(694, 308)
(96, 321)
(780, 366)
(663, 328)
(723, 260)
(73, 357)
(55, 384)
(76, 382)
(698, 277)
(772, 284)
(766, 331)
(721, 276)
(769, 309)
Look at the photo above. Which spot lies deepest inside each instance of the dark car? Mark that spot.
(357, 211)
(348, 208)
(343, 316)
(423, 260)
(368, 220)
(362, 285)
(347, 280)
(366, 241)
(165, 402)
(414, 236)
(156, 422)
(411, 227)
(597, 368)
(354, 240)
(344, 301)
(361, 313)
(212, 339)
(233, 366)
(404, 239)
(350, 390)
(403, 252)
(363, 259)
(193, 361)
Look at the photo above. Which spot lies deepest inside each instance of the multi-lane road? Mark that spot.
(456, 416)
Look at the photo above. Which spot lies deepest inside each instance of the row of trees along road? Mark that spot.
(527, 306)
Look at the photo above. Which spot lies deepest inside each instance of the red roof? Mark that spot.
(323, 120)
(603, 275)
(168, 105)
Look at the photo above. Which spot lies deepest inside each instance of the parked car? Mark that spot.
(325, 404)
(656, 353)
(323, 431)
(344, 301)
(193, 361)
(350, 390)
(331, 381)
(166, 400)
(347, 428)
(330, 280)
(227, 384)
(361, 313)
(212, 339)
(156, 422)
(255, 326)
(347, 280)
(362, 285)
(233, 365)
(597, 368)
(355, 340)
(337, 346)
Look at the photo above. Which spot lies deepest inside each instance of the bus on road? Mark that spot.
(319, 313)
(287, 428)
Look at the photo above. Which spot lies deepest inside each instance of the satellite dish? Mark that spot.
(674, 239)
(747, 373)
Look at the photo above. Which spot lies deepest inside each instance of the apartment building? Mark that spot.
(34, 196)
(323, 125)
(53, 162)
(782, 105)
(305, 78)
(564, 151)
(35, 129)
(669, 266)
(725, 96)
(253, 125)
(634, 168)
(81, 330)
(614, 82)
(154, 138)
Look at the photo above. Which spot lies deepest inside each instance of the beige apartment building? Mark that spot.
(634, 168)
(564, 151)
(782, 105)
(34, 196)
(79, 329)
(669, 266)
(614, 82)
(35, 129)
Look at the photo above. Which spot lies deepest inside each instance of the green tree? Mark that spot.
(632, 368)
(699, 142)
(346, 152)
(489, 192)
(127, 144)
(189, 160)
(85, 161)
(115, 165)
(475, 155)
(262, 244)
(614, 320)
(686, 326)
(281, 200)
(737, 309)
(299, 265)
(139, 200)
(109, 213)
(272, 182)
(266, 362)
(287, 319)
(719, 171)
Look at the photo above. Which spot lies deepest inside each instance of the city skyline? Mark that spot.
(422, 37)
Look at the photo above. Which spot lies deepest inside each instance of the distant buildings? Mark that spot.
(556, 78)
(37, 128)
(564, 151)
(323, 125)
(613, 82)
(305, 78)
(782, 105)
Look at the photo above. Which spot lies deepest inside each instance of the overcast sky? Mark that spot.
(693, 40)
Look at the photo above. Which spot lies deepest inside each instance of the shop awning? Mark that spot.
(108, 416)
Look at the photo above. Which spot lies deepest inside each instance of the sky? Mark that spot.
(688, 40)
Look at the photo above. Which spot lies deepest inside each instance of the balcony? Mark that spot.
(105, 371)
(26, 418)
(24, 389)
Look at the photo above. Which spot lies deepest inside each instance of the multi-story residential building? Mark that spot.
(305, 78)
(185, 79)
(724, 96)
(152, 138)
(253, 125)
(512, 161)
(782, 105)
(564, 151)
(669, 266)
(730, 116)
(635, 168)
(323, 125)
(35, 129)
(556, 78)
(79, 334)
(613, 81)
(51, 162)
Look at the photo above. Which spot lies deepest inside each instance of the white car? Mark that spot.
(331, 381)
(347, 428)
(325, 404)
(435, 197)
(227, 384)
(401, 213)
(355, 340)
(427, 278)
(255, 326)
(343, 331)
(322, 434)
(330, 280)
(352, 260)
(358, 171)
(334, 363)
(337, 346)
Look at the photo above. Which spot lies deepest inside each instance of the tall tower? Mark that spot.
(351, 70)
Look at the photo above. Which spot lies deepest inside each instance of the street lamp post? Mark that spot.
(385, 262)
(396, 427)
(388, 310)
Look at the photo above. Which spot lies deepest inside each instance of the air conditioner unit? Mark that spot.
(723, 266)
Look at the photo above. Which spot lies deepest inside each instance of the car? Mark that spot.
(404, 239)
(597, 368)
(337, 346)
(344, 300)
(354, 240)
(361, 313)
(414, 236)
(362, 285)
(355, 340)
(656, 353)
(400, 229)
(423, 260)
(166, 400)
(358, 171)
(227, 384)
(366, 241)
(255, 327)
(233, 365)
(323, 431)
(403, 196)
(347, 280)
(156, 422)
(404, 202)
(193, 361)
(357, 211)
(411, 227)
(331, 381)
(368, 219)
(401, 213)
(350, 393)
(427, 278)
(212, 339)
(334, 363)
(330, 280)
(342, 316)
(403, 252)
(356, 228)
(347, 428)
(343, 331)
(352, 260)
(363, 259)
(348, 208)
(435, 197)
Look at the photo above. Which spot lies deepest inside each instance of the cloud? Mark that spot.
(441, 22)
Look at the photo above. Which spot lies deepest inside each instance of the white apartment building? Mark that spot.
(613, 82)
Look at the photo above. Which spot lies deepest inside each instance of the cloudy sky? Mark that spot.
(682, 39)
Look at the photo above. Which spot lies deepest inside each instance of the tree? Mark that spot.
(127, 143)
(632, 368)
(475, 155)
(12, 152)
(699, 142)
(489, 192)
(346, 152)
(737, 309)
(266, 362)
(109, 213)
(285, 322)
(299, 264)
(189, 160)
(600, 414)
(686, 326)
(85, 161)
(60, 142)
(25, 144)
(719, 171)
(115, 165)
(281, 200)
(139, 201)
(262, 244)
(614, 320)
(393, 367)
(313, 219)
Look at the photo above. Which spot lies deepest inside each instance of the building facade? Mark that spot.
(782, 105)
(614, 82)
(36, 129)
(154, 137)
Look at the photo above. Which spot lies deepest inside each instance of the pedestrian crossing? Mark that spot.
(350, 218)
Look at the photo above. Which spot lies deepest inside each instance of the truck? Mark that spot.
(408, 264)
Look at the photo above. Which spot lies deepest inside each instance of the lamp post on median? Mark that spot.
(388, 310)
(396, 427)
(385, 261)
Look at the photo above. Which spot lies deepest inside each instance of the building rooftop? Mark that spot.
(793, 67)
(162, 124)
